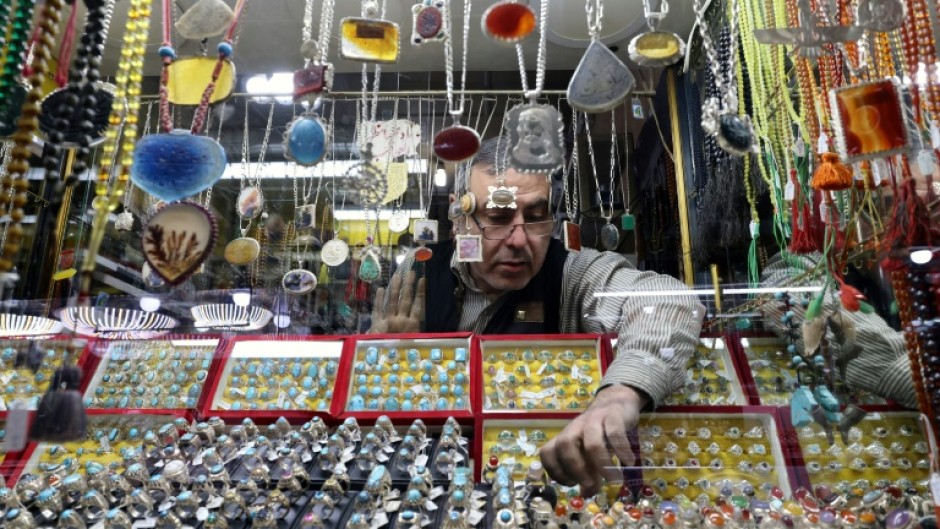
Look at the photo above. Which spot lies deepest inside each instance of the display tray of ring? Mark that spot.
(410, 378)
(276, 376)
(113, 442)
(27, 366)
(150, 374)
(279, 510)
(885, 449)
(710, 378)
(775, 379)
(535, 374)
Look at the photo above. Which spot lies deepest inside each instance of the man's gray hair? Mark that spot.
(485, 157)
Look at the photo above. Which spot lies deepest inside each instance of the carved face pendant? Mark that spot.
(601, 81)
(535, 138)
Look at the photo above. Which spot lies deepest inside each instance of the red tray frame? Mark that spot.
(434, 417)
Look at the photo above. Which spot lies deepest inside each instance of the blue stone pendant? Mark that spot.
(177, 165)
(800, 405)
(305, 140)
(370, 269)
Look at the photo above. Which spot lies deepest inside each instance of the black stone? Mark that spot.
(735, 132)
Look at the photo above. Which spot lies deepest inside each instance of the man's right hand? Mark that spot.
(398, 309)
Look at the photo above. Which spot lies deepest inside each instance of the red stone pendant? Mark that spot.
(311, 81)
(508, 21)
(428, 22)
(423, 254)
(456, 144)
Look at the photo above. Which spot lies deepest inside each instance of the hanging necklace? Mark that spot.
(609, 235)
(601, 81)
(16, 182)
(178, 163)
(245, 250)
(370, 39)
(534, 130)
(656, 48)
(720, 119)
(305, 137)
(12, 90)
(457, 142)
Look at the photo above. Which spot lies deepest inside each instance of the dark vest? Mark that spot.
(444, 293)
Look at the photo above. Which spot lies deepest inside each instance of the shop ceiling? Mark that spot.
(270, 36)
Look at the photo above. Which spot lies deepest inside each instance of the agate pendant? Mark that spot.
(508, 21)
(305, 140)
(456, 144)
(610, 237)
(299, 281)
(311, 81)
(250, 202)
(501, 196)
(601, 81)
(536, 138)
(178, 239)
(242, 251)
(370, 269)
(177, 165)
(427, 22)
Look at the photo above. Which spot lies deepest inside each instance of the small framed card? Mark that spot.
(469, 248)
(426, 231)
(572, 237)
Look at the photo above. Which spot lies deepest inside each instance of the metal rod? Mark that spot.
(413, 93)
(687, 270)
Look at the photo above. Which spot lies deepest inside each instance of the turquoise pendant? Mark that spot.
(369, 269)
(177, 165)
(800, 405)
(305, 140)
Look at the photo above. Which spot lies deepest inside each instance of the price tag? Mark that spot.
(421, 460)
(301, 400)
(3, 404)
(306, 457)
(458, 457)
(281, 397)
(388, 449)
(214, 502)
(528, 373)
(878, 169)
(99, 525)
(575, 372)
(500, 377)
(755, 229)
(6, 377)
(392, 506)
(202, 514)
(799, 146)
(823, 145)
(475, 517)
(379, 520)
(823, 210)
(418, 389)
(925, 162)
(435, 492)
(224, 405)
(541, 368)
(17, 427)
(430, 506)
(381, 458)
(789, 191)
(197, 460)
(238, 391)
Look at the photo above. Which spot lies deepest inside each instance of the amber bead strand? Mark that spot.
(27, 125)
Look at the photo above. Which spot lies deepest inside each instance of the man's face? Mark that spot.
(511, 263)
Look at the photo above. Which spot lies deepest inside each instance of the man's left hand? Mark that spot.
(583, 453)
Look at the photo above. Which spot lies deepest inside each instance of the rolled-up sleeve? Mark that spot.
(656, 317)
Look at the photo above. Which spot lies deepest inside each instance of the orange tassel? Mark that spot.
(832, 174)
(851, 298)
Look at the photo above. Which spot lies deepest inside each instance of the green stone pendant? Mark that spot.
(369, 269)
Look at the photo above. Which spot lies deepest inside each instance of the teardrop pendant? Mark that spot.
(370, 269)
(610, 237)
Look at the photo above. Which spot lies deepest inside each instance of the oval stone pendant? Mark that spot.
(398, 222)
(334, 252)
(249, 202)
(610, 237)
(369, 268)
(299, 281)
(656, 49)
(456, 144)
(305, 140)
(508, 21)
(735, 134)
(242, 251)
(423, 254)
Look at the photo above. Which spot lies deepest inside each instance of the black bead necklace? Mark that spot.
(12, 92)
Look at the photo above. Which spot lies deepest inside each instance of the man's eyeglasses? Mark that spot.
(500, 232)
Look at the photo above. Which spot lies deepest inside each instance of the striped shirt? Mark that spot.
(882, 367)
(656, 333)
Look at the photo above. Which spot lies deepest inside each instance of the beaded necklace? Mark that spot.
(117, 152)
(27, 125)
(11, 91)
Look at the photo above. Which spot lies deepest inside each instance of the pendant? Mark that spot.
(427, 22)
(299, 281)
(177, 165)
(456, 143)
(305, 217)
(869, 120)
(508, 21)
(656, 49)
(181, 90)
(369, 40)
(249, 202)
(600, 82)
(426, 231)
(305, 140)
(610, 237)
(98, 114)
(178, 239)
(627, 222)
(572, 237)
(398, 222)
(468, 202)
(736, 134)
(469, 248)
(206, 18)
(536, 138)
(124, 221)
(334, 252)
(370, 269)
(501, 196)
(423, 254)
(242, 251)
(311, 81)
(366, 180)
(393, 138)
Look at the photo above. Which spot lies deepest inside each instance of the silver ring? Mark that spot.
(140, 504)
(168, 520)
(215, 521)
(176, 472)
(94, 505)
(49, 502)
(117, 519)
(118, 489)
(311, 521)
(137, 474)
(19, 519)
(159, 485)
(278, 503)
(70, 519)
(186, 505)
(233, 505)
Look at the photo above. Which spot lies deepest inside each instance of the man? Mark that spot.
(528, 283)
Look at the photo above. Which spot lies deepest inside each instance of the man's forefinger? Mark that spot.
(392, 300)
(407, 295)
